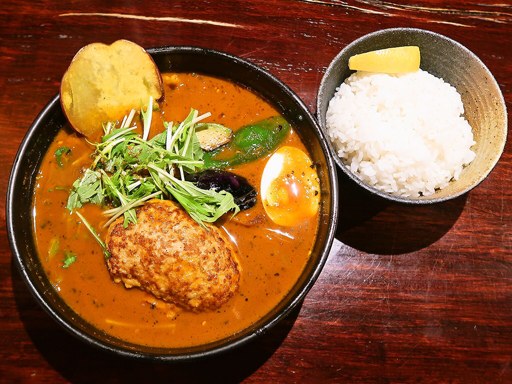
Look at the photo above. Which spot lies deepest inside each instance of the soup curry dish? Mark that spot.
(169, 277)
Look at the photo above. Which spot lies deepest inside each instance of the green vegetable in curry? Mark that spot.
(129, 169)
(60, 153)
(69, 258)
(249, 143)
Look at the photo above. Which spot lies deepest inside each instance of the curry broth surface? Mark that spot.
(271, 257)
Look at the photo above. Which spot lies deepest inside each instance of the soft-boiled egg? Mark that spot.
(290, 190)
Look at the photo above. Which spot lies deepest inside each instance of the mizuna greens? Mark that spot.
(129, 169)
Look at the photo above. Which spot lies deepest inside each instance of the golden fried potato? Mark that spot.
(104, 82)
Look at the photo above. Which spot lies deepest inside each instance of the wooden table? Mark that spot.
(409, 294)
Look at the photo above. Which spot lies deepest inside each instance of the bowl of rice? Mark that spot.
(418, 137)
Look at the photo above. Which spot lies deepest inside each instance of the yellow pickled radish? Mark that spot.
(389, 60)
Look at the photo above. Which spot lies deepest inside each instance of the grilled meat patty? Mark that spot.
(169, 255)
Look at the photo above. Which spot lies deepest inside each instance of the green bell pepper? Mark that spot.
(249, 143)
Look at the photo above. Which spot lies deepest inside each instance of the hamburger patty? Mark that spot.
(169, 255)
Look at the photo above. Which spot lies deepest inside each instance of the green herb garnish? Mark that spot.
(59, 153)
(94, 234)
(69, 258)
(128, 170)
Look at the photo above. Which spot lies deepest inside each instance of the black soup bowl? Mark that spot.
(177, 59)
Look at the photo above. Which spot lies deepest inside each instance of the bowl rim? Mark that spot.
(344, 168)
(226, 344)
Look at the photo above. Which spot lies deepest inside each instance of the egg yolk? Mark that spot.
(290, 190)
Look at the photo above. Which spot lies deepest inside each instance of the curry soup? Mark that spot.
(271, 257)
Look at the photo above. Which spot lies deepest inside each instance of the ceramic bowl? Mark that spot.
(443, 57)
(51, 120)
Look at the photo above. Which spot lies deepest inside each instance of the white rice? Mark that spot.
(403, 134)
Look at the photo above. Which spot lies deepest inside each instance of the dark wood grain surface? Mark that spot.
(409, 294)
